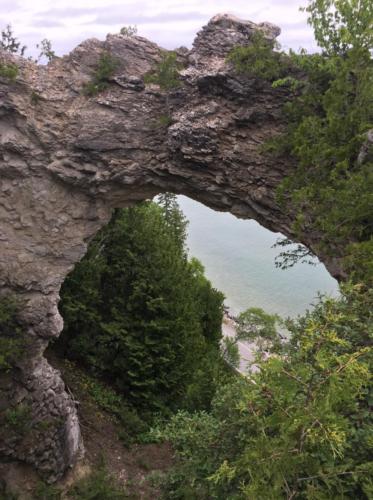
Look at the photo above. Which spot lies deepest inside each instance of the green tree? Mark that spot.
(300, 427)
(341, 25)
(259, 59)
(45, 47)
(255, 325)
(10, 43)
(332, 186)
(138, 313)
(174, 217)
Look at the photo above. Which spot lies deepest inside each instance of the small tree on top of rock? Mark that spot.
(10, 43)
(128, 30)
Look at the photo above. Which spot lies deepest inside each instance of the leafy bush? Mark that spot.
(166, 72)
(259, 59)
(97, 486)
(45, 491)
(45, 47)
(18, 419)
(331, 188)
(165, 120)
(128, 30)
(106, 68)
(9, 71)
(299, 428)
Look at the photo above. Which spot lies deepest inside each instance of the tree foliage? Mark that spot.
(255, 325)
(328, 125)
(10, 43)
(46, 50)
(341, 25)
(128, 30)
(259, 59)
(328, 119)
(300, 427)
(140, 314)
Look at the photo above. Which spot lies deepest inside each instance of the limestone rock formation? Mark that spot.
(67, 160)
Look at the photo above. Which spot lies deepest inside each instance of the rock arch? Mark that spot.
(67, 160)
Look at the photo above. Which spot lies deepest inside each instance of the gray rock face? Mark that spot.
(66, 161)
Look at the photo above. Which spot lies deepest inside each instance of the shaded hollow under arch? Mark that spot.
(67, 160)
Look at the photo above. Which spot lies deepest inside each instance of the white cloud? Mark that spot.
(170, 23)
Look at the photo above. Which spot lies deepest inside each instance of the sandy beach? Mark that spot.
(246, 349)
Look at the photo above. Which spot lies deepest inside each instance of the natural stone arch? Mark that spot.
(67, 160)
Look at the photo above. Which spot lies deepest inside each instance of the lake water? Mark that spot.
(239, 260)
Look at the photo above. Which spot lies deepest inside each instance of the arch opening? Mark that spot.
(252, 244)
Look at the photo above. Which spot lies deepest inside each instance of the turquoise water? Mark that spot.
(239, 261)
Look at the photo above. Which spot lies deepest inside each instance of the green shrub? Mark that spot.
(18, 419)
(165, 120)
(300, 427)
(128, 30)
(106, 68)
(97, 486)
(166, 72)
(9, 71)
(259, 59)
(45, 491)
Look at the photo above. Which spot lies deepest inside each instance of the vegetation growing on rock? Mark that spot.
(166, 72)
(259, 58)
(10, 43)
(8, 71)
(107, 64)
(128, 30)
(11, 334)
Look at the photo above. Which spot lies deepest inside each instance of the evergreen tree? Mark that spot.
(137, 312)
(10, 43)
(300, 427)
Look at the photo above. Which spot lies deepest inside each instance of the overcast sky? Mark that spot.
(170, 23)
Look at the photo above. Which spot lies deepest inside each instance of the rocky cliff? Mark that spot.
(67, 160)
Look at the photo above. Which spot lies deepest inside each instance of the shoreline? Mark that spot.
(245, 349)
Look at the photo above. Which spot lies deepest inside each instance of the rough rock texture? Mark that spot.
(66, 160)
